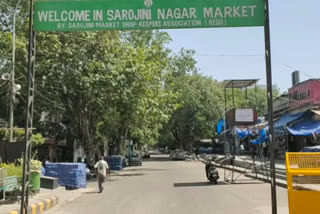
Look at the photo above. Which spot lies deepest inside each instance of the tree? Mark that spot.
(106, 79)
(201, 107)
(200, 103)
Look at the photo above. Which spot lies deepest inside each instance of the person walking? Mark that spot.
(102, 167)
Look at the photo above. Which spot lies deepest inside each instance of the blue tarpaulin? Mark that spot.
(244, 132)
(284, 120)
(263, 138)
(115, 162)
(305, 128)
(69, 174)
(220, 126)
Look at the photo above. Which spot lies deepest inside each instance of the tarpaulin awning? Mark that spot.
(311, 149)
(220, 126)
(244, 132)
(305, 128)
(284, 120)
(263, 138)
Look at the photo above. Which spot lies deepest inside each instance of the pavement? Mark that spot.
(46, 199)
(161, 186)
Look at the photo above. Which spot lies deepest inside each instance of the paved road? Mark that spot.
(173, 187)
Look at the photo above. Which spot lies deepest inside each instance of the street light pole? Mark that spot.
(12, 91)
(12, 94)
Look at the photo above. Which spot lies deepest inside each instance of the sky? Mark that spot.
(238, 53)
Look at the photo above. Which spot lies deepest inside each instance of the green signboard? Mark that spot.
(76, 15)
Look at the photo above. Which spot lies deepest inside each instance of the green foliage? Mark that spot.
(3, 133)
(16, 169)
(201, 106)
(19, 136)
(37, 139)
(13, 169)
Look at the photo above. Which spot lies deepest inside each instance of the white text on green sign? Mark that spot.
(72, 15)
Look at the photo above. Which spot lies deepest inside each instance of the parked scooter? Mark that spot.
(211, 172)
(191, 157)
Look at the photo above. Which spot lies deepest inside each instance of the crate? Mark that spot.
(47, 182)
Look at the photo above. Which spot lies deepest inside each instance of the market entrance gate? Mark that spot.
(86, 15)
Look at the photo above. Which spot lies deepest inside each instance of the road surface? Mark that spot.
(161, 186)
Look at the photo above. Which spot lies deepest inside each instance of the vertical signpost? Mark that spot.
(85, 15)
(270, 107)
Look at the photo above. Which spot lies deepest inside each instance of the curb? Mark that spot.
(40, 207)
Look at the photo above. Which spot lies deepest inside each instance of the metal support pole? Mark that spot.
(225, 123)
(256, 98)
(246, 97)
(232, 95)
(247, 94)
(29, 114)
(270, 108)
(13, 92)
(225, 100)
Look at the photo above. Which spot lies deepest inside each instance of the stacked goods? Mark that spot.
(71, 175)
(115, 162)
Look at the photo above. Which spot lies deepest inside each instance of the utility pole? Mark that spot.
(13, 91)
(270, 108)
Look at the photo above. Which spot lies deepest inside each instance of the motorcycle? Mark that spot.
(191, 157)
(211, 172)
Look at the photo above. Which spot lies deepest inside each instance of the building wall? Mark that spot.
(9, 152)
(305, 93)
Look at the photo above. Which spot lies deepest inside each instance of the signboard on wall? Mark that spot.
(84, 15)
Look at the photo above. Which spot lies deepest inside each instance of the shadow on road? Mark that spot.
(91, 192)
(130, 174)
(157, 159)
(8, 201)
(94, 180)
(144, 169)
(197, 184)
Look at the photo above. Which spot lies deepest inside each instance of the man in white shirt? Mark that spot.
(102, 167)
